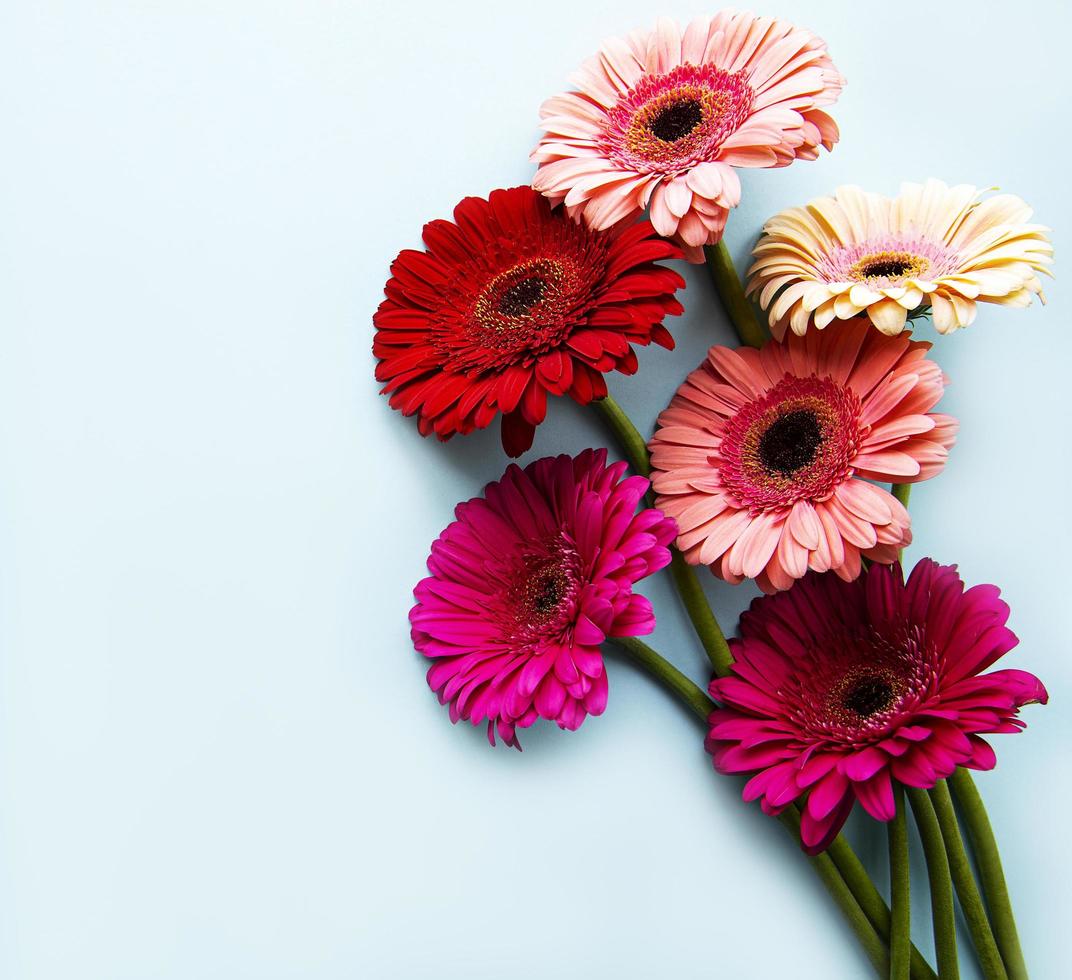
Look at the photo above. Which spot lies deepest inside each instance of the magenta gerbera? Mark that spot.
(765, 457)
(526, 584)
(514, 302)
(838, 688)
(662, 118)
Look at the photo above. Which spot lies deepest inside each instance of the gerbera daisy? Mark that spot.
(764, 456)
(937, 247)
(662, 118)
(837, 688)
(528, 582)
(511, 302)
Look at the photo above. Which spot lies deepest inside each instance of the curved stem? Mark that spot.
(701, 706)
(873, 904)
(840, 892)
(964, 882)
(688, 585)
(900, 901)
(667, 675)
(945, 936)
(630, 440)
(699, 611)
(845, 862)
(991, 874)
(731, 293)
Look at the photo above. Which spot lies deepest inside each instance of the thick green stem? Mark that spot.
(942, 913)
(840, 892)
(902, 491)
(631, 441)
(964, 882)
(845, 862)
(731, 293)
(701, 706)
(873, 904)
(900, 907)
(688, 585)
(668, 675)
(991, 874)
(699, 611)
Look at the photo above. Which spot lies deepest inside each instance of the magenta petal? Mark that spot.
(817, 835)
(876, 796)
(863, 765)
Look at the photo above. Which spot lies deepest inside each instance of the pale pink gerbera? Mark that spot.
(763, 456)
(528, 582)
(933, 246)
(662, 118)
(838, 688)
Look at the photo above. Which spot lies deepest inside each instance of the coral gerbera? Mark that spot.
(763, 456)
(933, 246)
(511, 302)
(839, 688)
(527, 582)
(661, 118)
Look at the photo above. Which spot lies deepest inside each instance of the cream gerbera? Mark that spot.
(661, 118)
(933, 246)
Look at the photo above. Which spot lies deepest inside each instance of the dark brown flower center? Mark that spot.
(676, 120)
(545, 591)
(790, 442)
(522, 296)
(868, 695)
(888, 270)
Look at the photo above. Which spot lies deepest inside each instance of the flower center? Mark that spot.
(791, 442)
(888, 265)
(857, 683)
(868, 695)
(539, 586)
(670, 123)
(676, 120)
(520, 298)
(543, 592)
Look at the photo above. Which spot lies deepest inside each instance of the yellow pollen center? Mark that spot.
(888, 265)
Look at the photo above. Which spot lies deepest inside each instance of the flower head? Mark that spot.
(662, 118)
(763, 456)
(526, 584)
(513, 302)
(933, 246)
(838, 688)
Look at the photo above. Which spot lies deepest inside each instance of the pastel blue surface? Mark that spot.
(218, 755)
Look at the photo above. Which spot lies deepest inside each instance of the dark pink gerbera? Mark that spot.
(838, 688)
(511, 303)
(526, 584)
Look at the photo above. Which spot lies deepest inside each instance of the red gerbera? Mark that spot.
(512, 301)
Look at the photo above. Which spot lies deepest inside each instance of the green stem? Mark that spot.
(900, 901)
(873, 904)
(991, 874)
(964, 882)
(731, 293)
(945, 937)
(699, 612)
(844, 859)
(701, 706)
(902, 491)
(688, 585)
(840, 892)
(630, 440)
(668, 675)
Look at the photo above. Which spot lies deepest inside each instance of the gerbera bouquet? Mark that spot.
(787, 460)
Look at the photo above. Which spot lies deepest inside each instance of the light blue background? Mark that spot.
(218, 756)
